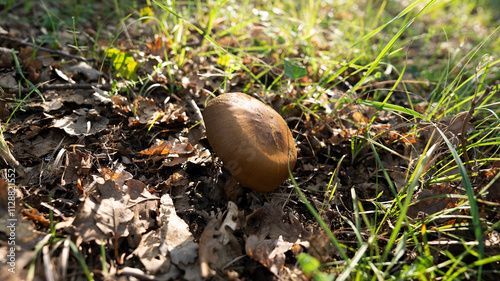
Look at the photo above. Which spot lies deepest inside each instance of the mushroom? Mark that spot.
(252, 139)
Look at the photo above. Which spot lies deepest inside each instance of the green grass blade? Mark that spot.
(386, 49)
(478, 232)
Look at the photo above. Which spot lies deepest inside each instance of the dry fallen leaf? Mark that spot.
(321, 247)
(169, 250)
(36, 216)
(271, 221)
(178, 241)
(6, 58)
(269, 252)
(82, 68)
(172, 154)
(118, 175)
(101, 218)
(80, 123)
(148, 252)
(146, 112)
(33, 65)
(429, 205)
(271, 234)
(218, 245)
(143, 204)
(116, 213)
(157, 149)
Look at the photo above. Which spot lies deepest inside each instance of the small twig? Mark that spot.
(197, 112)
(47, 87)
(62, 54)
(9, 158)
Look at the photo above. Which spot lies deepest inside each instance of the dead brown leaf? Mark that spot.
(269, 252)
(143, 204)
(6, 59)
(170, 249)
(218, 245)
(81, 123)
(116, 213)
(33, 66)
(321, 247)
(36, 216)
(146, 112)
(271, 234)
(428, 205)
(157, 149)
(270, 221)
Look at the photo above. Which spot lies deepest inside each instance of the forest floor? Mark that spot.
(108, 174)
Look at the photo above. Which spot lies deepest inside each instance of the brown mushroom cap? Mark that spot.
(252, 139)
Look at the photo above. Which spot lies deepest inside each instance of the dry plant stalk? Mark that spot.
(9, 158)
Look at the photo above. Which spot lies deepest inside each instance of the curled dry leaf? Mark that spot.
(120, 104)
(271, 222)
(104, 217)
(52, 105)
(171, 154)
(171, 248)
(78, 164)
(142, 203)
(218, 245)
(174, 180)
(148, 252)
(81, 123)
(180, 154)
(157, 149)
(36, 216)
(116, 213)
(164, 148)
(82, 68)
(179, 242)
(271, 234)
(146, 112)
(119, 175)
(269, 252)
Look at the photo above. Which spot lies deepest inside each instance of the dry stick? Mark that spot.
(46, 87)
(197, 112)
(9, 158)
(467, 118)
(46, 49)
